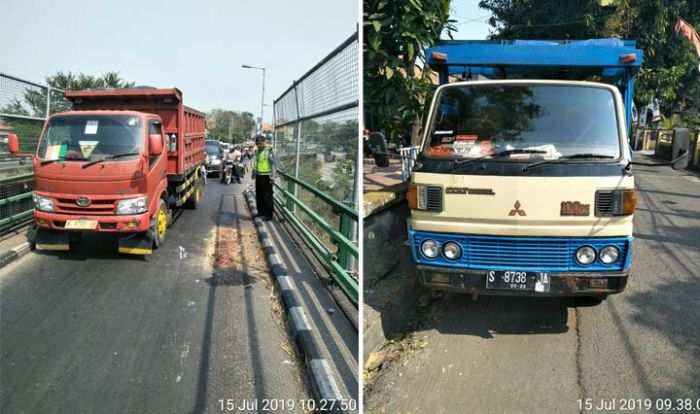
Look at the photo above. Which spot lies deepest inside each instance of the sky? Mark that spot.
(471, 20)
(197, 46)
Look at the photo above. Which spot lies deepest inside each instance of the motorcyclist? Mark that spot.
(230, 157)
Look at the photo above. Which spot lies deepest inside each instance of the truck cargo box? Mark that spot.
(184, 127)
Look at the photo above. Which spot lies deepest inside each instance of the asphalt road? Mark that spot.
(523, 355)
(93, 331)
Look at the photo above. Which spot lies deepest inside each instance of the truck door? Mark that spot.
(157, 171)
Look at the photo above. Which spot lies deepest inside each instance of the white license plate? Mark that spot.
(81, 224)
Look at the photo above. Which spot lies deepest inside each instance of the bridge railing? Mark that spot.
(318, 233)
(316, 145)
(16, 204)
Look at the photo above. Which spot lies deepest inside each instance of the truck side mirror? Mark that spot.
(13, 143)
(155, 144)
(380, 150)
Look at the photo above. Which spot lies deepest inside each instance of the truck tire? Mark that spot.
(161, 224)
(192, 203)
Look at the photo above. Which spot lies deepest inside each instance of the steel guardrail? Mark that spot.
(16, 206)
(335, 262)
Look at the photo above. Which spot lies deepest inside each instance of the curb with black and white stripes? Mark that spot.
(14, 254)
(322, 382)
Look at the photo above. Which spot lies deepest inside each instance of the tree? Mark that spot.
(395, 89)
(669, 69)
(230, 126)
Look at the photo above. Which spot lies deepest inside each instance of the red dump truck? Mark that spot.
(120, 162)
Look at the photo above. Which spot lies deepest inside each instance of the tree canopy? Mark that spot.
(396, 81)
(670, 67)
(225, 125)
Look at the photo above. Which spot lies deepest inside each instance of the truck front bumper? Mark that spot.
(114, 224)
(561, 283)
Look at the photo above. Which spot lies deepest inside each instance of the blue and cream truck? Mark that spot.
(523, 184)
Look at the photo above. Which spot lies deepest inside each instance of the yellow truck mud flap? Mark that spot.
(52, 240)
(139, 243)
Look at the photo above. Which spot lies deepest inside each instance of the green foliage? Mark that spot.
(669, 71)
(674, 121)
(395, 35)
(230, 126)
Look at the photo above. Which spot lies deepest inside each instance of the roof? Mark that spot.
(542, 58)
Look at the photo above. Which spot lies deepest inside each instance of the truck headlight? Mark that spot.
(430, 249)
(609, 254)
(585, 255)
(132, 206)
(452, 251)
(42, 203)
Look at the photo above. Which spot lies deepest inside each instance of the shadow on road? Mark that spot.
(489, 316)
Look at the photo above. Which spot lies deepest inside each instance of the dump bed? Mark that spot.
(183, 126)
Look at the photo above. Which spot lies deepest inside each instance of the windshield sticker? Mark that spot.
(441, 151)
(55, 152)
(447, 140)
(132, 122)
(87, 147)
(450, 132)
(463, 148)
(464, 137)
(91, 128)
(486, 147)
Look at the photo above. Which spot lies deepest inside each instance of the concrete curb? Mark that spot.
(322, 382)
(15, 254)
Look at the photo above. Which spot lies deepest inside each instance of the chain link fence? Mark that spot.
(24, 106)
(316, 139)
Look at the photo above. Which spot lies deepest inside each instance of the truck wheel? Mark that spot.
(193, 201)
(161, 224)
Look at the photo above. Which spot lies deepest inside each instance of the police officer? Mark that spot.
(264, 169)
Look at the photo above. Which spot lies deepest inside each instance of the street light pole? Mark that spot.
(262, 101)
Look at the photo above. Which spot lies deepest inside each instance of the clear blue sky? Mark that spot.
(197, 46)
(470, 20)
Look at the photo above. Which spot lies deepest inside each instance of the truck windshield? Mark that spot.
(86, 137)
(545, 121)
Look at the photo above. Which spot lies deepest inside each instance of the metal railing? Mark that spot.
(408, 158)
(337, 260)
(25, 105)
(16, 204)
(316, 144)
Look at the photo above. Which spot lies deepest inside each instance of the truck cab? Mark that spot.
(523, 183)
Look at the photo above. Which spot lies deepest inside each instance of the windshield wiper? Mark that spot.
(562, 160)
(111, 157)
(460, 163)
(44, 162)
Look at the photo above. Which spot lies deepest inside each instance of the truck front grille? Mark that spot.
(604, 203)
(100, 207)
(434, 198)
(520, 253)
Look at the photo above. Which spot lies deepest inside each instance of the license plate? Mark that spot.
(516, 280)
(81, 224)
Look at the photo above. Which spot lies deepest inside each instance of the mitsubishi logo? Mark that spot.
(82, 201)
(517, 211)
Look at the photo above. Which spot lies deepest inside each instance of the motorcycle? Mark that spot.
(228, 172)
